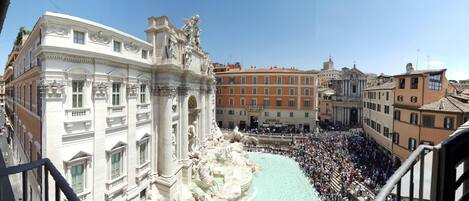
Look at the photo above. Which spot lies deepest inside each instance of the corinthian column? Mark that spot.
(165, 141)
(184, 123)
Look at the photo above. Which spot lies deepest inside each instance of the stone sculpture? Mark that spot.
(171, 45)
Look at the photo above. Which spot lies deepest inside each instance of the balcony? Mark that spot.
(442, 172)
(62, 188)
(254, 108)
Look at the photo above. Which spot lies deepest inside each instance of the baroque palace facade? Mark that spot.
(111, 111)
(272, 97)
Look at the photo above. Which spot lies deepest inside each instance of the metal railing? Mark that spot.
(396, 179)
(61, 185)
(447, 157)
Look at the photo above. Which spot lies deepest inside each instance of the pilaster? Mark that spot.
(100, 111)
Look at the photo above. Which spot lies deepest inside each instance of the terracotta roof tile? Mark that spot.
(446, 104)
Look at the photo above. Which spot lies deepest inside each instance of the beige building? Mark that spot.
(378, 113)
(2, 92)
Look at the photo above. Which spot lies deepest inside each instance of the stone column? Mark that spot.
(184, 142)
(208, 113)
(166, 180)
(202, 117)
(165, 150)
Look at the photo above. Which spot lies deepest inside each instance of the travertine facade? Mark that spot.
(113, 112)
(347, 101)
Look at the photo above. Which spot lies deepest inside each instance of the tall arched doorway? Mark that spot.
(193, 122)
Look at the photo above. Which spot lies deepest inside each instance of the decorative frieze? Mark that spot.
(57, 29)
(52, 89)
(132, 90)
(166, 91)
(183, 90)
(131, 47)
(100, 89)
(99, 37)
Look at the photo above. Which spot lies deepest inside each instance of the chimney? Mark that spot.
(409, 68)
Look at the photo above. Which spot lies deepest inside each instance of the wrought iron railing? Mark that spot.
(444, 185)
(61, 185)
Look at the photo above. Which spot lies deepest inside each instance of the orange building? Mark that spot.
(265, 97)
(427, 109)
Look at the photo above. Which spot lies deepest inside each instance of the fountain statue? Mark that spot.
(221, 168)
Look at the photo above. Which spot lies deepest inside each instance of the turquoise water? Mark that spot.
(280, 179)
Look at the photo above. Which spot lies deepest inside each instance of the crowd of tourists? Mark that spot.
(353, 161)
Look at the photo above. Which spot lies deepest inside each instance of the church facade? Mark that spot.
(118, 115)
(347, 101)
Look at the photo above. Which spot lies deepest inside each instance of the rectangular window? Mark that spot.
(292, 92)
(231, 102)
(412, 144)
(279, 80)
(143, 93)
(291, 103)
(378, 108)
(428, 120)
(78, 177)
(253, 102)
(292, 80)
(30, 97)
(279, 114)
(266, 79)
(231, 80)
(242, 101)
(144, 54)
(413, 118)
(387, 96)
(386, 109)
(116, 165)
(401, 83)
(231, 91)
(242, 91)
(243, 80)
(307, 80)
(354, 89)
(266, 91)
(306, 103)
(117, 46)
(116, 88)
(414, 83)
(266, 114)
(449, 122)
(278, 103)
(395, 138)
(306, 92)
(231, 112)
(143, 153)
(397, 115)
(254, 91)
(78, 37)
(279, 91)
(435, 82)
(77, 93)
(266, 102)
(306, 114)
(254, 80)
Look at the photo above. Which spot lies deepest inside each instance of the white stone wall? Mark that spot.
(90, 134)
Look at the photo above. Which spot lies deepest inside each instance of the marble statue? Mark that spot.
(171, 45)
(192, 31)
(187, 56)
(192, 136)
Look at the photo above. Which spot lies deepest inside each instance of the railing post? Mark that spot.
(422, 174)
(411, 183)
(46, 183)
(398, 190)
(25, 185)
(57, 191)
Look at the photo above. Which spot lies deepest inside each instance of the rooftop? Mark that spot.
(446, 104)
(386, 85)
(420, 72)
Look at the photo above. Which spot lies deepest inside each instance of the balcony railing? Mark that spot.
(61, 185)
(447, 181)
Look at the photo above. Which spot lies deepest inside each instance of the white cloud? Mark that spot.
(457, 75)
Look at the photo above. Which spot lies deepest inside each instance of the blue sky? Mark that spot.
(378, 35)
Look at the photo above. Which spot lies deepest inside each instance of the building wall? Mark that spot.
(378, 97)
(232, 81)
